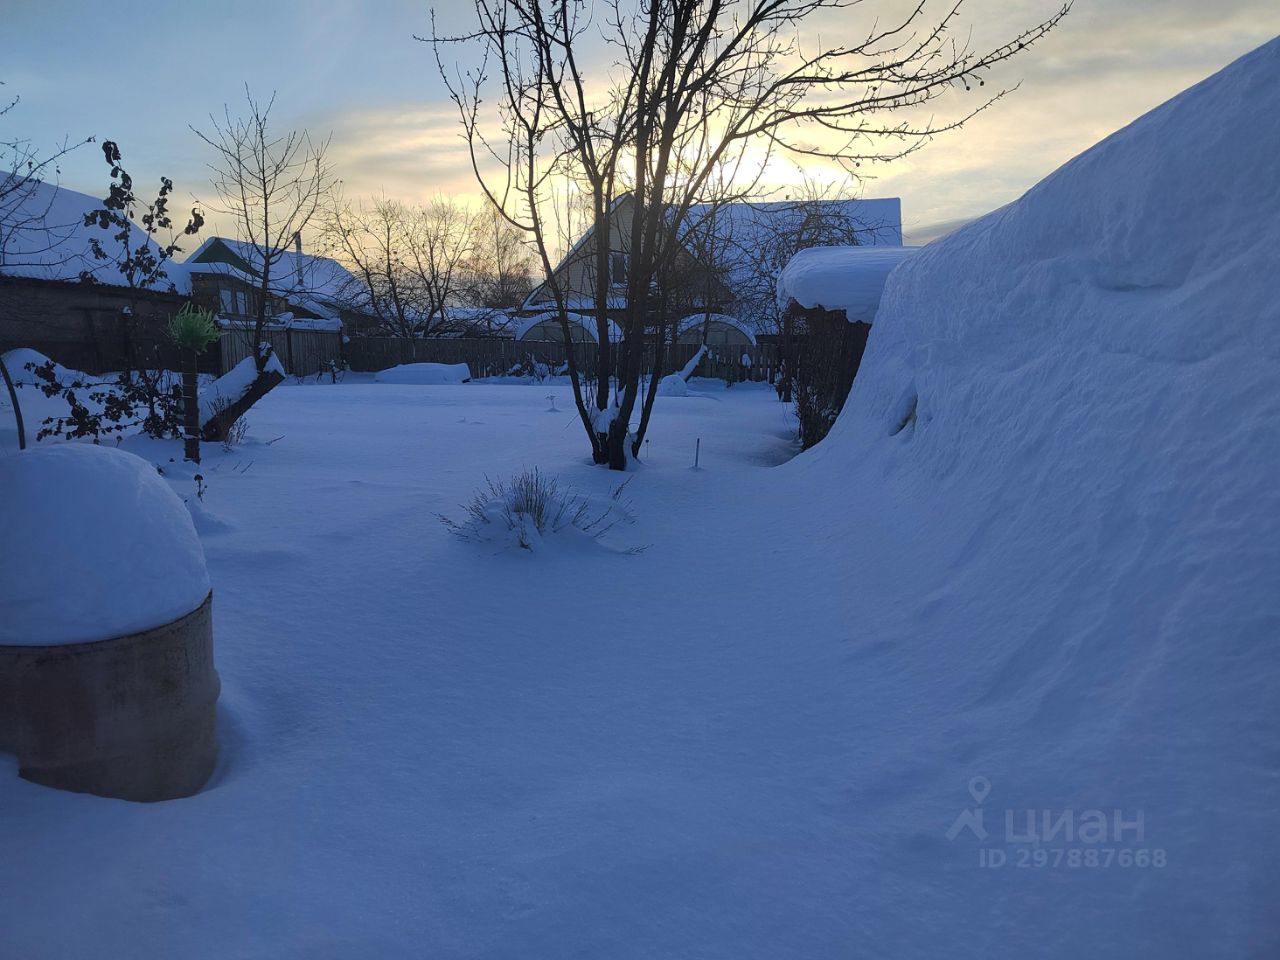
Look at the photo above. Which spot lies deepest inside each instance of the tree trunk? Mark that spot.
(190, 406)
(217, 427)
(786, 356)
(17, 408)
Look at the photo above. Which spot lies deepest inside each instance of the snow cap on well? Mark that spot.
(93, 545)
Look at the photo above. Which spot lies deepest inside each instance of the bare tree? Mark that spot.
(687, 90)
(28, 236)
(409, 263)
(751, 244)
(272, 185)
(500, 269)
(442, 239)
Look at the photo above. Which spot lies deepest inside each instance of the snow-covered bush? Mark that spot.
(148, 400)
(531, 506)
(530, 367)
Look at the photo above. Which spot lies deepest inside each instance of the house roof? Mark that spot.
(840, 278)
(45, 237)
(297, 277)
(742, 231)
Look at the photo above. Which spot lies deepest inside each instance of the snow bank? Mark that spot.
(840, 278)
(1068, 420)
(425, 373)
(93, 545)
(231, 386)
(15, 361)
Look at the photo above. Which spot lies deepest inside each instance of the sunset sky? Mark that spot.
(139, 73)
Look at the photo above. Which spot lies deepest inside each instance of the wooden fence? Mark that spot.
(302, 352)
(309, 352)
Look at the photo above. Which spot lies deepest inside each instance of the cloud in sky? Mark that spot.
(354, 69)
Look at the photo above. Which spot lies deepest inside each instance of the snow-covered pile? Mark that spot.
(425, 373)
(93, 545)
(840, 278)
(1065, 434)
(673, 385)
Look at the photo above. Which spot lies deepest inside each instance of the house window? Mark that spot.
(233, 303)
(619, 269)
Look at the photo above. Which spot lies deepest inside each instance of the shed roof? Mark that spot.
(840, 278)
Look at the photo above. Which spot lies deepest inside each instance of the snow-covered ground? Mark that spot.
(431, 746)
(990, 672)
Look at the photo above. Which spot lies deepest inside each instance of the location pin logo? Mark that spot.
(979, 789)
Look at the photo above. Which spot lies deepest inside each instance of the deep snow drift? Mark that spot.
(1066, 431)
(95, 545)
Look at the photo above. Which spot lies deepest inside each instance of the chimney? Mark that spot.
(297, 249)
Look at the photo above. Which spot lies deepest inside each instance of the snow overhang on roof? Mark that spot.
(840, 278)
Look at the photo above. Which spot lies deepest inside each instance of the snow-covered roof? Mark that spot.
(740, 231)
(294, 276)
(614, 301)
(44, 236)
(533, 301)
(456, 314)
(735, 234)
(840, 278)
(695, 320)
